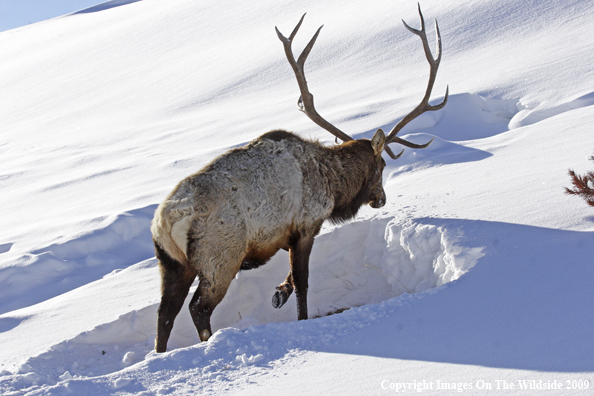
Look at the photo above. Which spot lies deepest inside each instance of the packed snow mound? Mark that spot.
(421, 257)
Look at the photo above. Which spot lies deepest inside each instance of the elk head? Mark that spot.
(306, 100)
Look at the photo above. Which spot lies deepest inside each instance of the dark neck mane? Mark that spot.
(351, 164)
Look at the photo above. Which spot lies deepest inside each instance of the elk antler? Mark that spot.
(306, 101)
(424, 105)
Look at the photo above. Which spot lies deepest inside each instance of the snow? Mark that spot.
(475, 277)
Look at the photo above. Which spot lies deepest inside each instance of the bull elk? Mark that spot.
(272, 194)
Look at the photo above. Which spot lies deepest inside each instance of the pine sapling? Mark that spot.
(582, 185)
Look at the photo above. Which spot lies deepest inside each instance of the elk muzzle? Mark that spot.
(377, 198)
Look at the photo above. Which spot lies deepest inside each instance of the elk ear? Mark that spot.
(378, 142)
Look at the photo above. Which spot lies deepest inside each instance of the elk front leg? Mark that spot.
(283, 292)
(299, 254)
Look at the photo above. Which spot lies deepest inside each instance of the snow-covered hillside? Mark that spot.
(476, 276)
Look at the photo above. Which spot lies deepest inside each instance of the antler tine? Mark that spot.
(306, 100)
(424, 105)
(389, 151)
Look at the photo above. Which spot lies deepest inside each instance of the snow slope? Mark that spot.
(475, 277)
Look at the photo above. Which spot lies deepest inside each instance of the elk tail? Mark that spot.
(170, 227)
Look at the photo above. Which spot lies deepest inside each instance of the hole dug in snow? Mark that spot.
(360, 263)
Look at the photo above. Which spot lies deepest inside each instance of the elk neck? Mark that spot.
(349, 171)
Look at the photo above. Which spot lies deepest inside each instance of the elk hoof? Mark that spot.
(279, 298)
(204, 335)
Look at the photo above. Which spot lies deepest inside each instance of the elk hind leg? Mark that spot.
(209, 294)
(176, 280)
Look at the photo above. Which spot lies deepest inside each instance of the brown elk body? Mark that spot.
(241, 209)
(275, 193)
